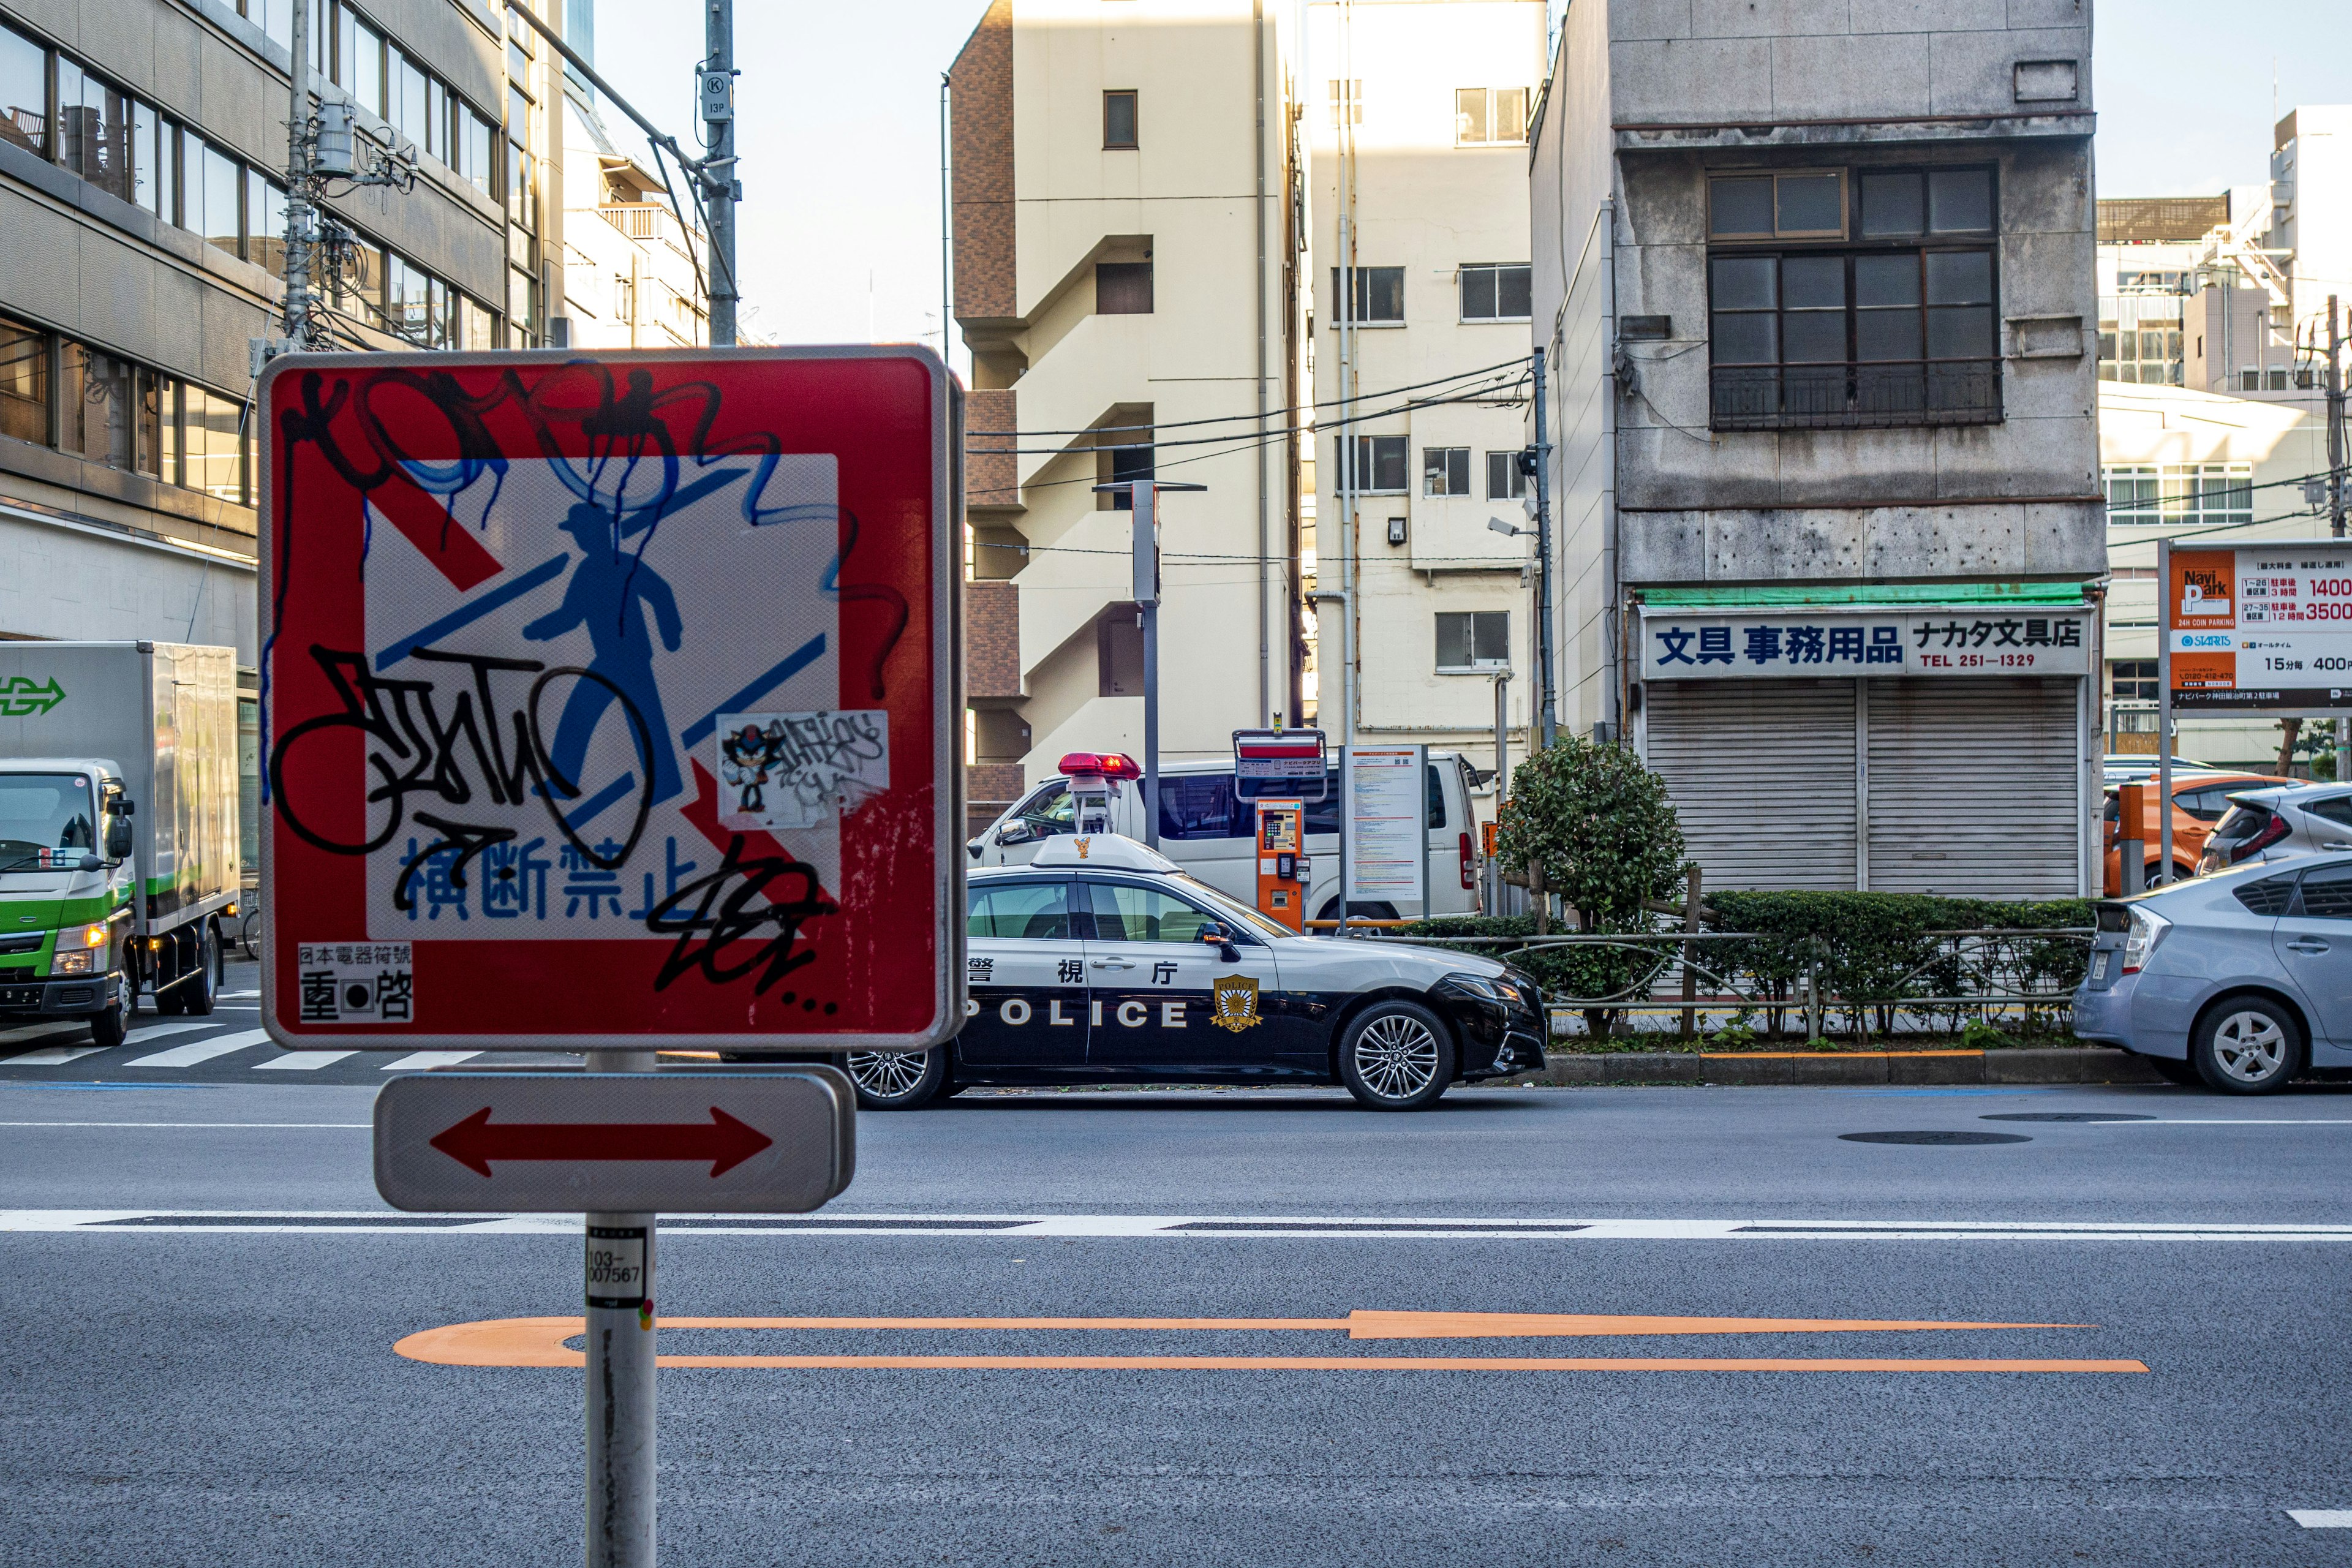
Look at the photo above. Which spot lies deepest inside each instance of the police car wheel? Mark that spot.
(897, 1080)
(1396, 1056)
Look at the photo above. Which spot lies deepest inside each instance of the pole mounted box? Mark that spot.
(718, 88)
(612, 703)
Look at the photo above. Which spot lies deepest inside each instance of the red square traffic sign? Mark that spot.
(611, 699)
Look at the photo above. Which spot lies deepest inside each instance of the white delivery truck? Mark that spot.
(1207, 830)
(119, 850)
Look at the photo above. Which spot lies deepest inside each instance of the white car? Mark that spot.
(2280, 823)
(1205, 829)
(1101, 962)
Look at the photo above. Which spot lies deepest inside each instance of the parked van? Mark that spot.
(1205, 828)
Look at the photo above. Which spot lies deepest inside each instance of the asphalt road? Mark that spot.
(201, 1365)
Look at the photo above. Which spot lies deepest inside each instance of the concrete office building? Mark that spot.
(142, 156)
(1416, 117)
(1126, 277)
(1818, 284)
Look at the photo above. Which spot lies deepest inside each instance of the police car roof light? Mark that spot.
(1110, 764)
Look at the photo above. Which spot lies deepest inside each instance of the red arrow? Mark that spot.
(723, 1140)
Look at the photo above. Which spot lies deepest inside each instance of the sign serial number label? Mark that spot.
(616, 1266)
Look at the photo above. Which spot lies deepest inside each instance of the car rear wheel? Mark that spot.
(1396, 1056)
(2247, 1044)
(897, 1080)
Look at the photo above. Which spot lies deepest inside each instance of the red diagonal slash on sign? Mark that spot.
(723, 1140)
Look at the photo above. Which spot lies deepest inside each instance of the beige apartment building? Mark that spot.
(1416, 116)
(632, 276)
(1126, 275)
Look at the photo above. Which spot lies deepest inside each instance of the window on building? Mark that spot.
(2139, 346)
(1379, 465)
(2217, 494)
(265, 207)
(1490, 117)
(1445, 471)
(1379, 296)
(478, 325)
(24, 93)
(24, 383)
(211, 429)
(99, 402)
(1893, 330)
(2131, 680)
(1473, 639)
(407, 89)
(1119, 120)
(1347, 100)
(275, 18)
(211, 201)
(1494, 293)
(478, 137)
(1504, 480)
(1123, 288)
(1124, 464)
(361, 62)
(93, 121)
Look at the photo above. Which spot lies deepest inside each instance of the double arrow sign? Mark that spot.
(782, 1141)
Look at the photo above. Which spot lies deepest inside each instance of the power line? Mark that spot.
(1496, 385)
(1234, 419)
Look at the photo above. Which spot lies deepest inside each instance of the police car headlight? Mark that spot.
(1496, 990)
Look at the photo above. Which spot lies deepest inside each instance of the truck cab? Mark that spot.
(68, 886)
(1208, 831)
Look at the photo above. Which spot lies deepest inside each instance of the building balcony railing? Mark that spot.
(650, 221)
(1870, 396)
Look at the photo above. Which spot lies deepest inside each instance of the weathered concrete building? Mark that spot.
(1817, 286)
(143, 160)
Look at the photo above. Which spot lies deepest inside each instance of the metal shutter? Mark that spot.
(1975, 787)
(1762, 773)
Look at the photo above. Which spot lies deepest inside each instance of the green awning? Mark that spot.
(1884, 594)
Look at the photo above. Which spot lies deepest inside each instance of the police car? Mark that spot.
(1103, 961)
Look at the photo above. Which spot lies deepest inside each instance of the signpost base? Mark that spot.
(620, 1390)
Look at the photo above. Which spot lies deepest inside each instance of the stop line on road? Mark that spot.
(1179, 1227)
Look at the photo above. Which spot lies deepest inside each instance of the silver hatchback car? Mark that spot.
(2238, 981)
(2278, 823)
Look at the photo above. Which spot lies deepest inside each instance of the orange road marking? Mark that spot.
(545, 1342)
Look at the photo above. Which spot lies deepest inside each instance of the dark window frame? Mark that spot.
(1450, 463)
(1370, 454)
(1855, 393)
(1367, 280)
(1133, 101)
(1466, 634)
(1493, 273)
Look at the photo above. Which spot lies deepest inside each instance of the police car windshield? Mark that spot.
(1230, 908)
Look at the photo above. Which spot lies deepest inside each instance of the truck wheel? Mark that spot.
(197, 992)
(108, 1029)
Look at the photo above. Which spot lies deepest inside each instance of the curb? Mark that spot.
(2080, 1064)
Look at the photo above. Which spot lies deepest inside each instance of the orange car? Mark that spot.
(2198, 800)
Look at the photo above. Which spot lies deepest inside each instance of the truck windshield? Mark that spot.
(45, 811)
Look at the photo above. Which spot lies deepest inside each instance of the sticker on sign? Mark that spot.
(622, 697)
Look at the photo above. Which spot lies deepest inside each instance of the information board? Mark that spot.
(610, 701)
(1385, 818)
(1286, 763)
(2260, 628)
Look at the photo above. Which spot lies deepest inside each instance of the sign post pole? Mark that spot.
(2166, 609)
(619, 1302)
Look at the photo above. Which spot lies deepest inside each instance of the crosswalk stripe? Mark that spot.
(203, 1050)
(146, 1032)
(422, 1059)
(303, 1061)
(55, 1056)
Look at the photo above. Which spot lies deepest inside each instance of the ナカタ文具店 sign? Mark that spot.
(1680, 646)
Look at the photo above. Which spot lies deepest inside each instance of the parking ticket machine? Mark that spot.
(1282, 864)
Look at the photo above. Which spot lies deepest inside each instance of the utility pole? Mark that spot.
(947, 262)
(724, 190)
(299, 147)
(1543, 562)
(1143, 495)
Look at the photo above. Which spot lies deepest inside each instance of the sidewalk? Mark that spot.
(2082, 1064)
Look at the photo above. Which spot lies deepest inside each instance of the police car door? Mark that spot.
(1163, 999)
(1026, 970)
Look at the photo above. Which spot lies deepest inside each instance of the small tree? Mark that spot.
(1600, 825)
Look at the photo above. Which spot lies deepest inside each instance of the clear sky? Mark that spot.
(839, 128)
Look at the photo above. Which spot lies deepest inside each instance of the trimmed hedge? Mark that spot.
(1872, 950)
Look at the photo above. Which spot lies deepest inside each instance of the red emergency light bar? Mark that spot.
(1110, 764)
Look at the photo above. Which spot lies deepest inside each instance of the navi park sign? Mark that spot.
(610, 701)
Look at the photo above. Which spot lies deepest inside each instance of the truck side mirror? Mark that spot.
(119, 842)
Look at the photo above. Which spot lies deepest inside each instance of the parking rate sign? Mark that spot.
(611, 700)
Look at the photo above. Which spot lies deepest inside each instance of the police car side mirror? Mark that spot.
(1223, 941)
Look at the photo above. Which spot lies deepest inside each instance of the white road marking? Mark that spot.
(203, 1050)
(2236, 1121)
(146, 1032)
(301, 1061)
(237, 996)
(421, 1060)
(1186, 1227)
(55, 1056)
(2322, 1518)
